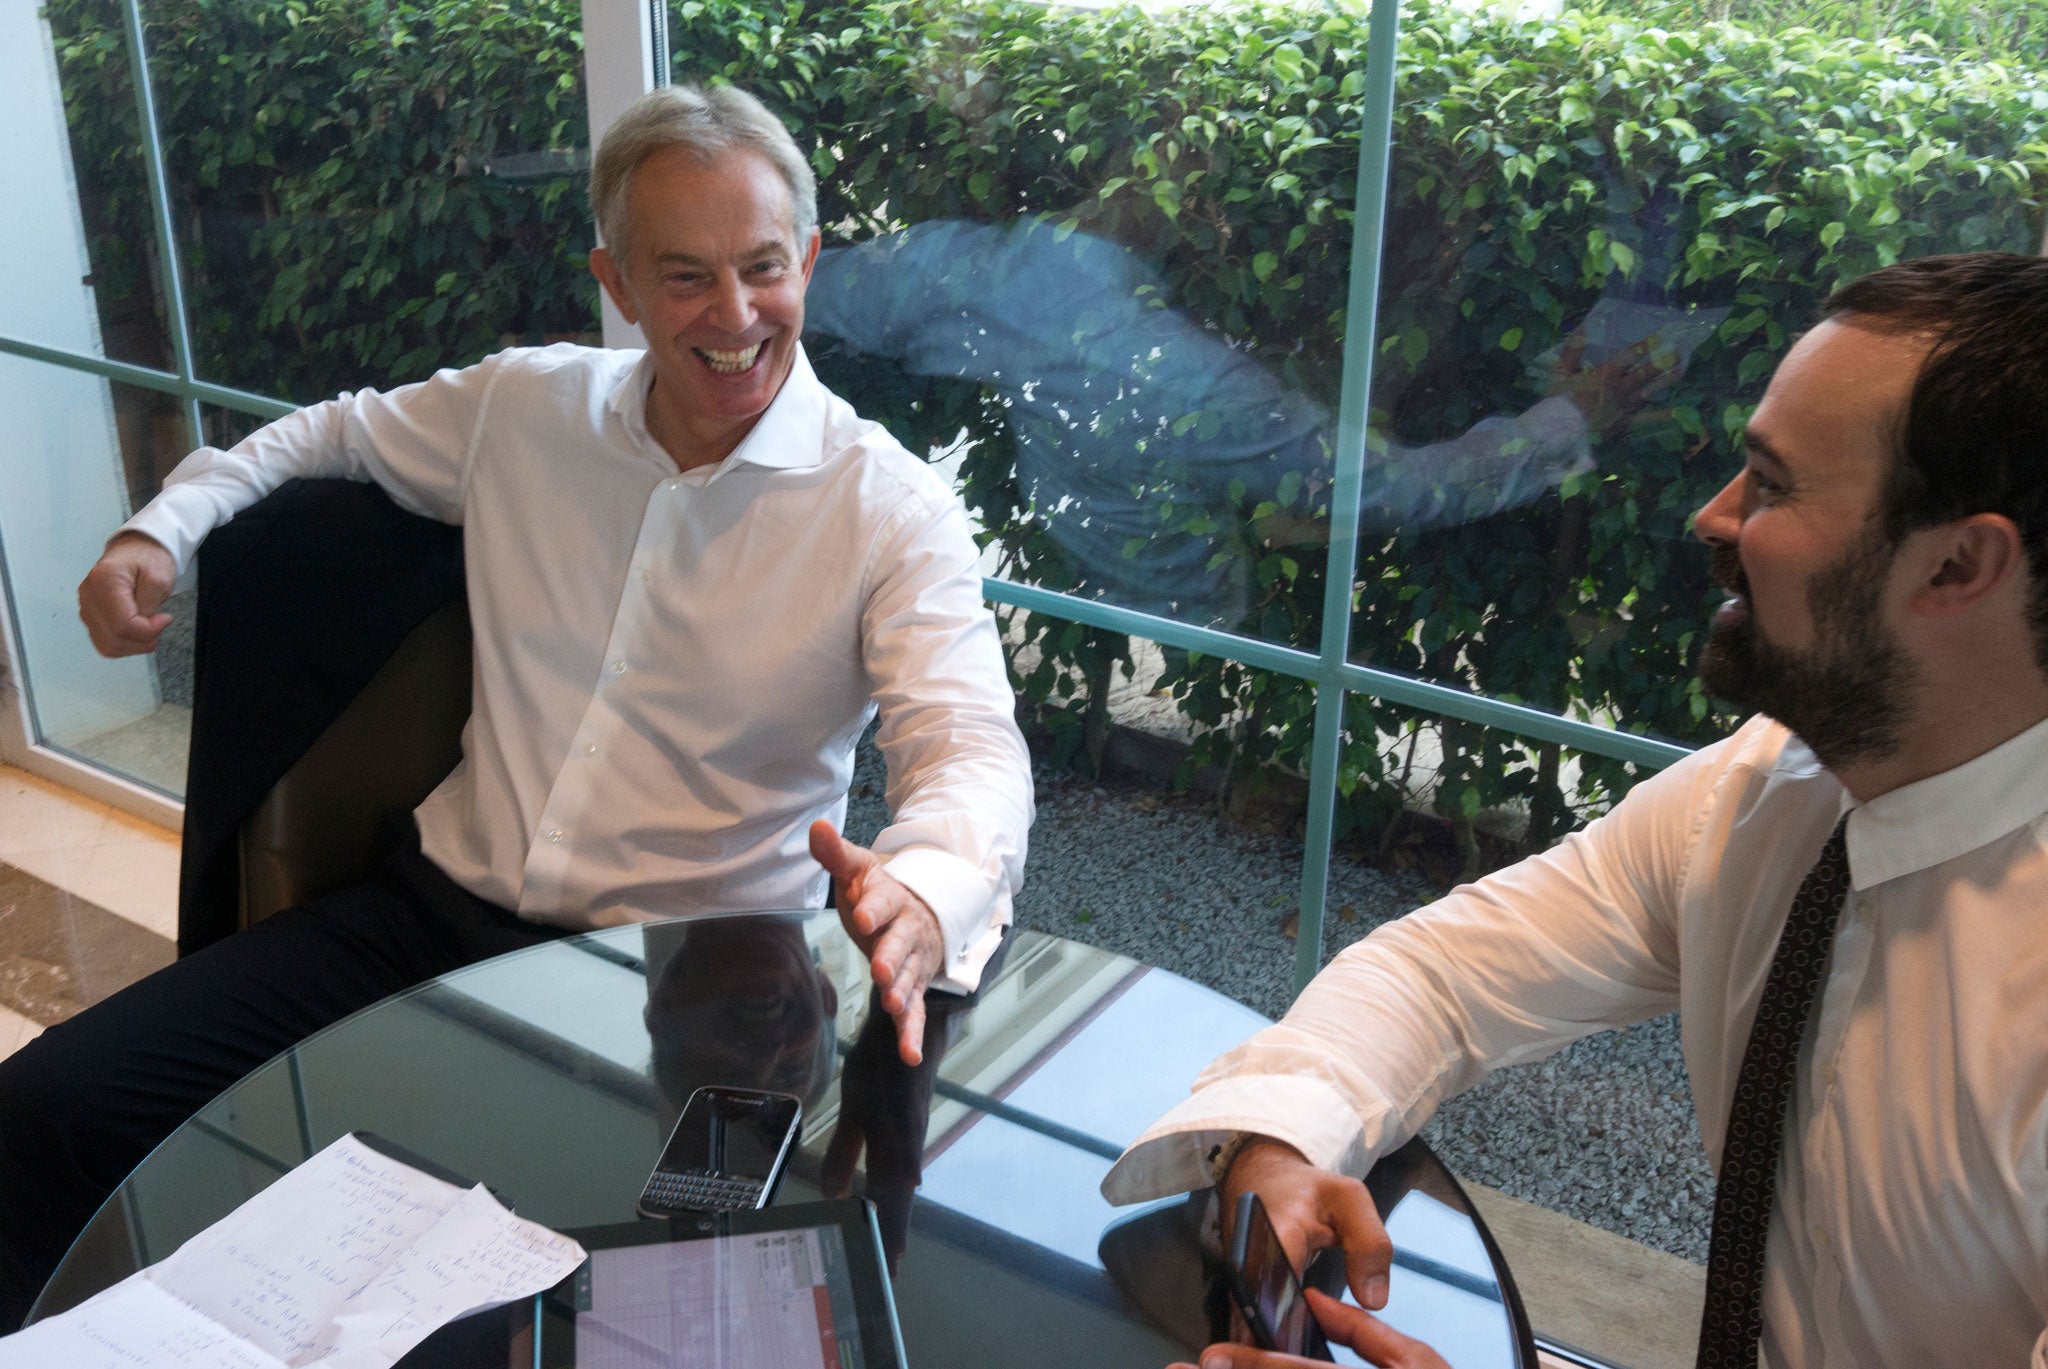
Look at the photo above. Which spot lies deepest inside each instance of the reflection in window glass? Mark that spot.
(1602, 235)
(1099, 257)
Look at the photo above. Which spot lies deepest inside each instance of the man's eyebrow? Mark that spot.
(1760, 447)
(767, 247)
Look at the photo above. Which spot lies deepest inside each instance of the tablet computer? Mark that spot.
(782, 1288)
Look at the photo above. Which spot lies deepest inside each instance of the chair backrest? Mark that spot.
(330, 686)
(324, 824)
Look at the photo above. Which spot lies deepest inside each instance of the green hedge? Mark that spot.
(339, 176)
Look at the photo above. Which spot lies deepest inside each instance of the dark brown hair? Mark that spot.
(1974, 437)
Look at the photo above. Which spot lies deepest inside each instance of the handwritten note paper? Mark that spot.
(347, 1262)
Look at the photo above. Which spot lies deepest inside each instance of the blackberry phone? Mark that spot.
(725, 1155)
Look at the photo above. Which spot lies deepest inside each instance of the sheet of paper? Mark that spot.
(347, 1262)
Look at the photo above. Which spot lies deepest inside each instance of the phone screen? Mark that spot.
(1268, 1292)
(729, 1132)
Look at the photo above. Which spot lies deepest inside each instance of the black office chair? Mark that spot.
(331, 683)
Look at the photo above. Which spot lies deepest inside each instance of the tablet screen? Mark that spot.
(755, 1300)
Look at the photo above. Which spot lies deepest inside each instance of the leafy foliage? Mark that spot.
(338, 166)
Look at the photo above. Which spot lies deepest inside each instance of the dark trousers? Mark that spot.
(82, 1104)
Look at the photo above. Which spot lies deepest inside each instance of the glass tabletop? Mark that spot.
(554, 1074)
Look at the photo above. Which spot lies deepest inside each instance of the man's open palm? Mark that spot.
(895, 929)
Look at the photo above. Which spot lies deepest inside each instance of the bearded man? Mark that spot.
(1844, 901)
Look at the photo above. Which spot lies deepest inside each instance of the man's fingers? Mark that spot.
(1368, 1254)
(1370, 1337)
(844, 860)
(141, 630)
(849, 865)
(910, 1032)
(1251, 1357)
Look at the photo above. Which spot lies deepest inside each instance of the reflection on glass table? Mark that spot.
(554, 1074)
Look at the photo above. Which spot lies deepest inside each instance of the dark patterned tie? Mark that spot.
(1732, 1324)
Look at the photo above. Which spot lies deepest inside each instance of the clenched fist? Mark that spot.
(119, 599)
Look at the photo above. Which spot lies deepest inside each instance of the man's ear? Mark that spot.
(606, 268)
(811, 254)
(1977, 556)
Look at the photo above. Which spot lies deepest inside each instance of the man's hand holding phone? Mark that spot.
(1312, 1209)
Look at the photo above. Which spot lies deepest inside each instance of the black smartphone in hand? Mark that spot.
(725, 1155)
(1267, 1289)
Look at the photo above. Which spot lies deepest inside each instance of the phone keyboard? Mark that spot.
(698, 1191)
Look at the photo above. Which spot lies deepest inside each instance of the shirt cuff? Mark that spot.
(1308, 1114)
(169, 521)
(970, 921)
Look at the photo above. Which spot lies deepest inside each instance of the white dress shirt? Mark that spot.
(1911, 1227)
(672, 669)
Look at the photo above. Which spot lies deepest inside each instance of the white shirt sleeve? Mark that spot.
(959, 775)
(1501, 972)
(413, 441)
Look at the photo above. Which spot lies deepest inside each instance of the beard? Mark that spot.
(1847, 696)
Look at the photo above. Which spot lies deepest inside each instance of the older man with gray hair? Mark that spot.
(694, 575)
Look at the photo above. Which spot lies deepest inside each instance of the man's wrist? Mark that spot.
(1224, 1155)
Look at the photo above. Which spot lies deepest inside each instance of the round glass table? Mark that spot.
(554, 1074)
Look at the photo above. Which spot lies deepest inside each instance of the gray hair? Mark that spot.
(706, 122)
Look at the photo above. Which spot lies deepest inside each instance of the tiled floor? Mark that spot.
(88, 903)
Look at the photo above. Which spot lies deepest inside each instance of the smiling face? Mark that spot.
(714, 275)
(1809, 634)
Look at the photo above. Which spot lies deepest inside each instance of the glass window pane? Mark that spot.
(1068, 251)
(82, 445)
(1602, 236)
(367, 193)
(82, 272)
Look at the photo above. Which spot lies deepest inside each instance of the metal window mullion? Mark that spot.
(166, 228)
(1524, 721)
(145, 378)
(1361, 310)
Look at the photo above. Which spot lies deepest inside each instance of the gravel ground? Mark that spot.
(1603, 1131)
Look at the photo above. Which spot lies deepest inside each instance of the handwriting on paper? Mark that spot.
(349, 1260)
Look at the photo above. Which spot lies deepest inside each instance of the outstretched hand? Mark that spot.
(1368, 1336)
(894, 928)
(121, 597)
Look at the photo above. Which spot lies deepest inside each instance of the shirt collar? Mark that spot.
(1920, 825)
(790, 436)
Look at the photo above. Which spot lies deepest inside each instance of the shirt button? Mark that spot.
(646, 576)
(590, 748)
(555, 837)
(674, 485)
(618, 667)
